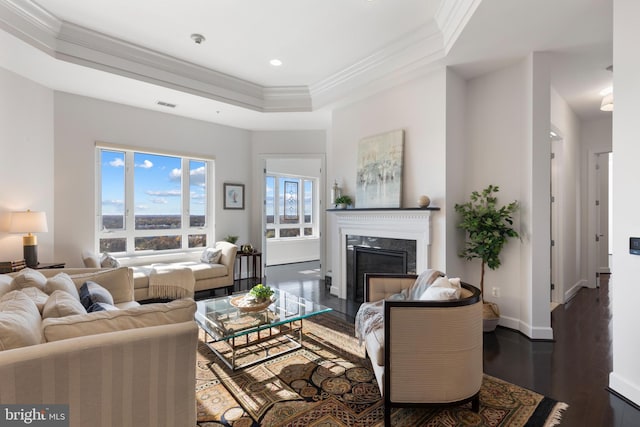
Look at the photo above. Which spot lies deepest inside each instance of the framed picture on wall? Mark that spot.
(233, 196)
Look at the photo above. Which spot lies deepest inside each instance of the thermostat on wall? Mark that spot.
(634, 245)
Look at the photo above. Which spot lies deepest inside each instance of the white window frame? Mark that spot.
(302, 224)
(129, 232)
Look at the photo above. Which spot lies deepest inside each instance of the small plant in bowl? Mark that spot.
(261, 293)
(342, 202)
(231, 239)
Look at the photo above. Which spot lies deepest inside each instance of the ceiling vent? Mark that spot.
(166, 104)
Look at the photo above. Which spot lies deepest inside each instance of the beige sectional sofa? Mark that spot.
(129, 367)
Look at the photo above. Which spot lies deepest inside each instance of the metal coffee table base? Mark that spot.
(263, 336)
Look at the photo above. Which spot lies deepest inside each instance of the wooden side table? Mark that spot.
(254, 259)
(45, 266)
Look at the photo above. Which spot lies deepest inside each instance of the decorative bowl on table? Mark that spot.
(247, 303)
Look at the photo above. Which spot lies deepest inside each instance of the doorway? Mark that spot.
(556, 241)
(292, 214)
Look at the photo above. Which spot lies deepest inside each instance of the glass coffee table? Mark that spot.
(246, 328)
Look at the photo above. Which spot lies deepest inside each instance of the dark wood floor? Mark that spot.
(573, 369)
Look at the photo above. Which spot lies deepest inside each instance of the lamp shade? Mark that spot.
(28, 222)
(607, 103)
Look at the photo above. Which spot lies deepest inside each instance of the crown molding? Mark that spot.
(414, 53)
(452, 16)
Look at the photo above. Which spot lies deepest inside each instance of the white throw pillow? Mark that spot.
(37, 296)
(5, 284)
(20, 322)
(61, 304)
(27, 278)
(90, 260)
(211, 256)
(443, 289)
(109, 261)
(61, 282)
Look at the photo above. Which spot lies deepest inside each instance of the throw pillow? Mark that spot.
(61, 282)
(5, 284)
(91, 293)
(108, 261)
(37, 296)
(211, 256)
(119, 282)
(20, 322)
(60, 303)
(101, 306)
(27, 278)
(90, 260)
(443, 289)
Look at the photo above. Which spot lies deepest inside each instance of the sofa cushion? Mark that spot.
(6, 284)
(27, 278)
(90, 260)
(374, 342)
(202, 271)
(211, 255)
(20, 322)
(119, 282)
(177, 311)
(108, 261)
(442, 289)
(60, 303)
(61, 282)
(100, 306)
(91, 293)
(38, 297)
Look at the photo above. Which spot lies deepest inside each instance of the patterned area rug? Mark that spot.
(329, 383)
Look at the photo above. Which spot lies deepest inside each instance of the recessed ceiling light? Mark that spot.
(606, 91)
(275, 62)
(553, 134)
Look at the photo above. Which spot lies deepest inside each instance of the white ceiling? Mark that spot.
(137, 52)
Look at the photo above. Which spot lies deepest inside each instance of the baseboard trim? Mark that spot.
(574, 290)
(624, 389)
(532, 333)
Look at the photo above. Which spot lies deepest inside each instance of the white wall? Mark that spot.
(508, 145)
(26, 162)
(456, 171)
(625, 292)
(571, 268)
(81, 121)
(418, 108)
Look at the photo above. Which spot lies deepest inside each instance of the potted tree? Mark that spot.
(488, 227)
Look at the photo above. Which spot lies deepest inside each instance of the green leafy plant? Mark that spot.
(231, 239)
(488, 228)
(261, 292)
(343, 200)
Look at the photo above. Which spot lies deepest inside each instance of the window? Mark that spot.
(152, 202)
(290, 206)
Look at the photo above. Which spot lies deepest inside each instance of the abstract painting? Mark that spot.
(379, 174)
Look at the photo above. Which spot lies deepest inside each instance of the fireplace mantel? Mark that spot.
(409, 224)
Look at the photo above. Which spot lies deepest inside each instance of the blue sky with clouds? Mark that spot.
(158, 188)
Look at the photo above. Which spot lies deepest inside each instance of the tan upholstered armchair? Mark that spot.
(429, 352)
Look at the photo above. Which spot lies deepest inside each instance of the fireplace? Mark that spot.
(372, 260)
(381, 229)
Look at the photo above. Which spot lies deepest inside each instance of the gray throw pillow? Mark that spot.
(109, 261)
(91, 293)
(211, 256)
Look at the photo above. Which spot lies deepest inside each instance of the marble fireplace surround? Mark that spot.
(409, 224)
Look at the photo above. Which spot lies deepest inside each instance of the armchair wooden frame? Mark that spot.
(434, 356)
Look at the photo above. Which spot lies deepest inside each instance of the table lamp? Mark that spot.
(29, 222)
